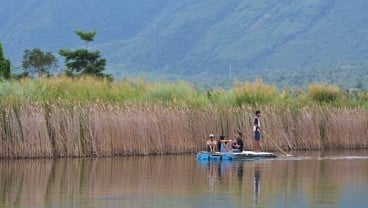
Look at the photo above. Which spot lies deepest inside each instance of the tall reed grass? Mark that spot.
(62, 117)
(37, 130)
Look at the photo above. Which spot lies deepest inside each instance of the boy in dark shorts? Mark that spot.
(257, 131)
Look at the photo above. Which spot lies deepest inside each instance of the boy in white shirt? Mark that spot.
(211, 143)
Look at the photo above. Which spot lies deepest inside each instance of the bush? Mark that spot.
(175, 93)
(254, 93)
(324, 93)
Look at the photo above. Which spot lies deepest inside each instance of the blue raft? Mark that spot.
(245, 155)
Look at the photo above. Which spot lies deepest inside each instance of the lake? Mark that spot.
(307, 179)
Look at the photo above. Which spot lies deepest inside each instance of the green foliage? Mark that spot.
(324, 93)
(36, 61)
(86, 36)
(170, 92)
(346, 76)
(254, 93)
(179, 93)
(4, 65)
(10, 90)
(83, 61)
(220, 97)
(358, 98)
(92, 89)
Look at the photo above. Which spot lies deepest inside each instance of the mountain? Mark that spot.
(282, 41)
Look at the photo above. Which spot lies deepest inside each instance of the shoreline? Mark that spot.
(278, 153)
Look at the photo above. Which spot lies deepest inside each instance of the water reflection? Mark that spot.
(309, 179)
(257, 182)
(320, 180)
(222, 174)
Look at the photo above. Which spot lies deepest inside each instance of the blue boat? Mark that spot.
(245, 155)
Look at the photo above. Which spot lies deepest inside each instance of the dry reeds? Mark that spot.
(57, 130)
(85, 116)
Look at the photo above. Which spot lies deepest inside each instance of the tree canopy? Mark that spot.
(86, 36)
(4, 65)
(83, 61)
(38, 62)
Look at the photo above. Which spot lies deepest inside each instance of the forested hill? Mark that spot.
(282, 41)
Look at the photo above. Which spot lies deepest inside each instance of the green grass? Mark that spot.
(324, 93)
(139, 92)
(256, 93)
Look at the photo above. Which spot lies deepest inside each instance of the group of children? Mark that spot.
(235, 145)
(225, 145)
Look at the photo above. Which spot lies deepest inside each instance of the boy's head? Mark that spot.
(258, 113)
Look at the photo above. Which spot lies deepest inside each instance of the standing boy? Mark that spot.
(257, 131)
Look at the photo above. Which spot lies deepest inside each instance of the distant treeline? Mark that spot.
(74, 117)
(37, 63)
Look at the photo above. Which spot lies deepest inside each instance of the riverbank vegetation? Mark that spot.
(87, 89)
(89, 116)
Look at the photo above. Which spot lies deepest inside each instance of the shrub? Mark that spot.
(254, 93)
(324, 93)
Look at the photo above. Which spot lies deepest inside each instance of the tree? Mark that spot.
(38, 62)
(86, 36)
(83, 61)
(4, 65)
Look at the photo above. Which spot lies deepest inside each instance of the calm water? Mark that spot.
(308, 179)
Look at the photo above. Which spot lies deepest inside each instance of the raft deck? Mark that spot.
(245, 155)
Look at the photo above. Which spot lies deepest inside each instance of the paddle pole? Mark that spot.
(278, 147)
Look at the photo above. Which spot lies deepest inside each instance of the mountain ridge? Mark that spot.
(203, 41)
